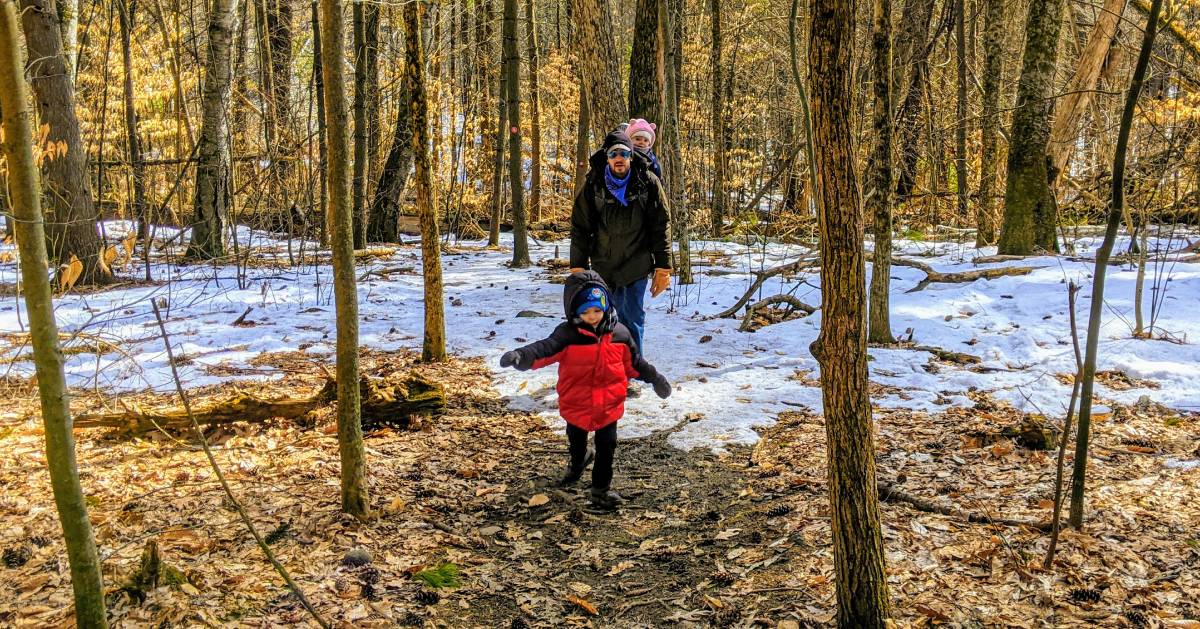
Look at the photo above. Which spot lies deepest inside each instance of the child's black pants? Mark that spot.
(606, 447)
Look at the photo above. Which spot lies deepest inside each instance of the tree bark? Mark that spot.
(840, 347)
(993, 72)
(133, 145)
(1115, 210)
(385, 209)
(582, 145)
(68, 16)
(214, 193)
(913, 47)
(498, 156)
(1070, 107)
(720, 160)
(322, 143)
(25, 198)
(961, 178)
(512, 67)
(672, 26)
(1030, 212)
(879, 194)
(366, 43)
(355, 500)
(274, 25)
(535, 113)
(647, 64)
(433, 348)
(599, 62)
(67, 202)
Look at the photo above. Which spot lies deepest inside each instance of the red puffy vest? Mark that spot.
(592, 381)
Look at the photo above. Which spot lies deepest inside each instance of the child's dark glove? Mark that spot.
(662, 388)
(510, 359)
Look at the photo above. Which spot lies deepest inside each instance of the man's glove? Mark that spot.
(510, 359)
(662, 280)
(662, 388)
(576, 269)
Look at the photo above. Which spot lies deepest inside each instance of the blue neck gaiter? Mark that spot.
(616, 186)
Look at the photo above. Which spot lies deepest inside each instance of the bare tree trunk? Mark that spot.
(366, 27)
(322, 143)
(1070, 107)
(512, 67)
(914, 48)
(433, 349)
(720, 160)
(273, 23)
(68, 16)
(355, 500)
(68, 204)
(214, 193)
(1115, 210)
(671, 19)
(535, 113)
(879, 194)
(582, 146)
(993, 71)
(385, 209)
(599, 61)
(647, 64)
(961, 178)
(840, 347)
(124, 11)
(82, 557)
(1030, 213)
(498, 157)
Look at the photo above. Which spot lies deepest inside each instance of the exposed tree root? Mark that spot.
(932, 276)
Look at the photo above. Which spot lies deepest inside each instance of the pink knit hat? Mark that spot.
(638, 125)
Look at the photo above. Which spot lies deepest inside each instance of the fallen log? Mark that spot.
(762, 276)
(891, 493)
(796, 304)
(960, 277)
(394, 401)
(949, 356)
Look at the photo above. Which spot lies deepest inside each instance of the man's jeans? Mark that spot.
(630, 304)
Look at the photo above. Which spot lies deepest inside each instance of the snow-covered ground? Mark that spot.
(734, 380)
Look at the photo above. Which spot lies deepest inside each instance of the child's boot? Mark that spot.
(604, 498)
(575, 471)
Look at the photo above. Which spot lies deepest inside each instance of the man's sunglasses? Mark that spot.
(619, 153)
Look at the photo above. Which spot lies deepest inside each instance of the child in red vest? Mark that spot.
(596, 357)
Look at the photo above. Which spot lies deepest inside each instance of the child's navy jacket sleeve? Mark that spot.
(637, 366)
(546, 351)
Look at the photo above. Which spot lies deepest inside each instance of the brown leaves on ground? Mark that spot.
(704, 540)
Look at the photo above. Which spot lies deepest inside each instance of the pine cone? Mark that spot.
(279, 533)
(727, 616)
(413, 476)
(1138, 619)
(712, 515)
(1085, 595)
(424, 493)
(428, 597)
(412, 619)
(370, 574)
(723, 579)
(519, 623)
(39, 541)
(778, 511)
(16, 557)
(575, 517)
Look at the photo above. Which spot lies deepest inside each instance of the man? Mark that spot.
(619, 229)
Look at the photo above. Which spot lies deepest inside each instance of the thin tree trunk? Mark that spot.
(961, 178)
(433, 348)
(68, 16)
(365, 12)
(671, 20)
(355, 500)
(1070, 107)
(599, 61)
(322, 144)
(879, 195)
(840, 347)
(124, 11)
(25, 196)
(512, 67)
(1115, 210)
(582, 145)
(647, 64)
(720, 161)
(914, 48)
(214, 193)
(535, 114)
(498, 157)
(68, 204)
(993, 71)
(1030, 213)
